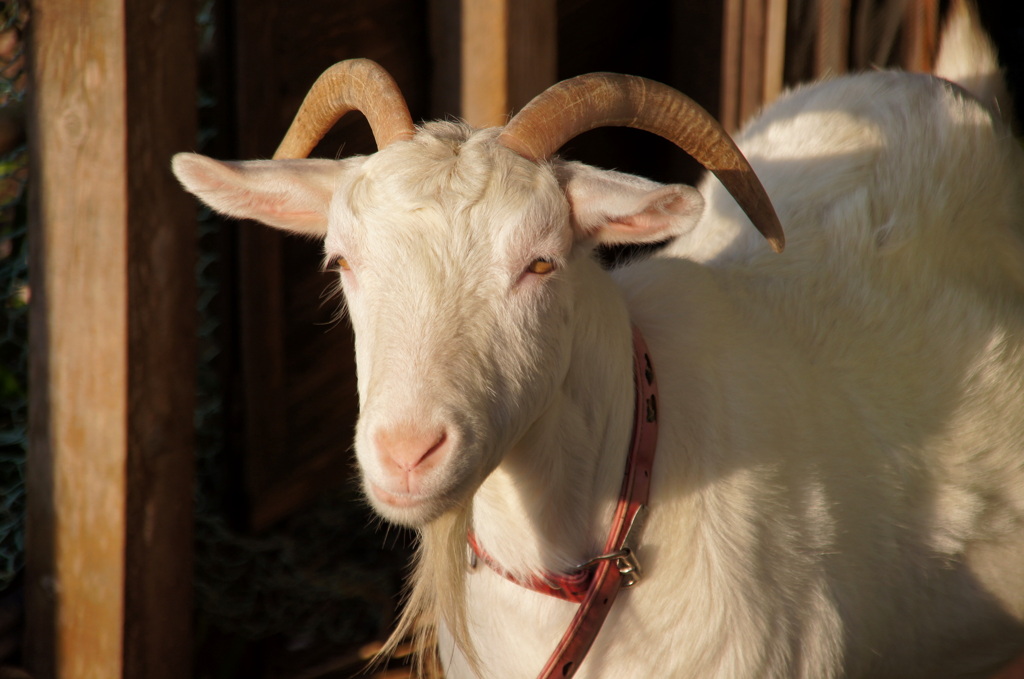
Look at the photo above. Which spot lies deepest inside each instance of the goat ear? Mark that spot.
(616, 208)
(293, 195)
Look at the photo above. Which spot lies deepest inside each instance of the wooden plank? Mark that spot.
(830, 56)
(111, 324)
(732, 70)
(509, 54)
(774, 50)
(161, 74)
(920, 42)
(876, 27)
(78, 372)
(752, 44)
(532, 50)
(484, 101)
(753, 57)
(446, 80)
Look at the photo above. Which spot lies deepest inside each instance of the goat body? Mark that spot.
(839, 483)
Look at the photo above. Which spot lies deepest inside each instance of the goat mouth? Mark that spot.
(401, 501)
(413, 510)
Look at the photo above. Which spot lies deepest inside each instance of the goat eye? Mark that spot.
(541, 266)
(342, 264)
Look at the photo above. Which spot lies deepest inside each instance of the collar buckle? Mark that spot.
(625, 561)
(625, 558)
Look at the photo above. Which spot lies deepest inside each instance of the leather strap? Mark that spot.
(608, 578)
(595, 585)
(571, 587)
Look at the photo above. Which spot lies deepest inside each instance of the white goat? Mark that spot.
(839, 482)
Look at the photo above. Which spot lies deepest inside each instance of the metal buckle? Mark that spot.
(629, 568)
(625, 558)
(625, 561)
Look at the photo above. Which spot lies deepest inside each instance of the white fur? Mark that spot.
(839, 483)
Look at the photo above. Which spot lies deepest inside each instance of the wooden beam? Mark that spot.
(920, 43)
(833, 39)
(112, 325)
(732, 64)
(753, 57)
(484, 92)
(509, 54)
(875, 29)
(161, 78)
(532, 59)
(774, 49)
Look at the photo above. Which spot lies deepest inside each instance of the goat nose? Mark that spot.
(411, 448)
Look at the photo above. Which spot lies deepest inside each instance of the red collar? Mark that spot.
(593, 585)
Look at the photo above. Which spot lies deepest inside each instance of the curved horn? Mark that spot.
(352, 85)
(574, 106)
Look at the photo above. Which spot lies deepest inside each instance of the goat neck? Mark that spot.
(547, 506)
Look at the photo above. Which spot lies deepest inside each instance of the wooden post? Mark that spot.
(774, 49)
(509, 55)
(109, 477)
(921, 36)
(830, 53)
(753, 57)
(752, 64)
